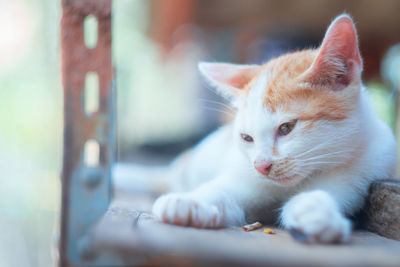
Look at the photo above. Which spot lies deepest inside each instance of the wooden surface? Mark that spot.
(130, 232)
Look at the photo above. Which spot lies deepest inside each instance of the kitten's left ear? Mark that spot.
(228, 79)
(338, 61)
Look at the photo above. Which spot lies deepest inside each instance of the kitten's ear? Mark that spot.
(338, 61)
(228, 79)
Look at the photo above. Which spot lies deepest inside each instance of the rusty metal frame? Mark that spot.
(86, 190)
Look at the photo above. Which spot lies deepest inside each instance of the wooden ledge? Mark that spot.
(128, 232)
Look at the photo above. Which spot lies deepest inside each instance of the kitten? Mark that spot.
(305, 141)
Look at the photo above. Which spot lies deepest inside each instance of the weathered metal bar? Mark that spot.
(86, 190)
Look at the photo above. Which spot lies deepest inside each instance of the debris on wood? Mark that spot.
(269, 231)
(252, 227)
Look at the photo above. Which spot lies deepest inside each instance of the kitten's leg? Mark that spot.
(315, 217)
(212, 205)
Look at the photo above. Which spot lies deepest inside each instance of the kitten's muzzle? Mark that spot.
(263, 166)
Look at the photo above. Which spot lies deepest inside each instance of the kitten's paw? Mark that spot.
(314, 218)
(182, 210)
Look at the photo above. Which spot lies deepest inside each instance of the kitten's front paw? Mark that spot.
(182, 210)
(314, 218)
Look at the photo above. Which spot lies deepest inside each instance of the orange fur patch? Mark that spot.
(287, 89)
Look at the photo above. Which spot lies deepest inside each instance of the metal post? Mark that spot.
(86, 190)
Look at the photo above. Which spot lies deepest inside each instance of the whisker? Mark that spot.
(319, 146)
(328, 158)
(302, 174)
(219, 110)
(326, 155)
(322, 162)
(217, 103)
(312, 149)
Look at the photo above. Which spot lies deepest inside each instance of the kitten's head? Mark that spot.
(296, 113)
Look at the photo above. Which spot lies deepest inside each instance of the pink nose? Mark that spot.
(263, 166)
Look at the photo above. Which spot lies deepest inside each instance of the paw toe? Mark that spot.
(181, 210)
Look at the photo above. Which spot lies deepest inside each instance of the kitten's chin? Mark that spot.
(285, 180)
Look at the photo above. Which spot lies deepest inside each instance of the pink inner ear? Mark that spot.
(240, 80)
(230, 77)
(338, 54)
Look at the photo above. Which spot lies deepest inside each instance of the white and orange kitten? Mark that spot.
(304, 146)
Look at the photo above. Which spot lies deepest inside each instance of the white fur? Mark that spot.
(230, 192)
(318, 217)
(322, 173)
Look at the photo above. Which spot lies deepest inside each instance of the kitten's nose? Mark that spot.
(263, 166)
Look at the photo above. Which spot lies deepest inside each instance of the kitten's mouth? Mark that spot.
(281, 175)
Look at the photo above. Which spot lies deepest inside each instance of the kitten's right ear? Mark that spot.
(338, 61)
(228, 79)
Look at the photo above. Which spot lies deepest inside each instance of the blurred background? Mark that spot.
(163, 105)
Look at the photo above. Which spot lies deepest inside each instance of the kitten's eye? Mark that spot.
(287, 127)
(247, 138)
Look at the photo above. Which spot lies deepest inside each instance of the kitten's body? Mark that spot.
(316, 174)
